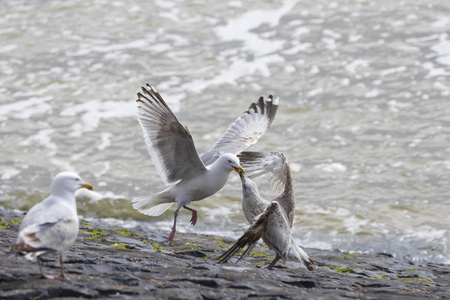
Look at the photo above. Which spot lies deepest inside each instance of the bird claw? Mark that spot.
(194, 218)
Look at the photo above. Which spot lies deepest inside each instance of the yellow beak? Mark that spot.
(87, 186)
(239, 170)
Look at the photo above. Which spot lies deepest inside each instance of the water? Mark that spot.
(364, 116)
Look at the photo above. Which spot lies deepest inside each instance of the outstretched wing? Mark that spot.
(245, 131)
(169, 143)
(259, 163)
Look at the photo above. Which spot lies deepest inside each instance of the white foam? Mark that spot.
(240, 29)
(8, 48)
(332, 167)
(299, 31)
(105, 140)
(354, 38)
(26, 108)
(295, 167)
(443, 49)
(315, 92)
(392, 71)
(104, 170)
(8, 173)
(442, 21)
(331, 33)
(428, 234)
(371, 94)
(42, 138)
(236, 70)
(95, 110)
(89, 48)
(351, 67)
(95, 196)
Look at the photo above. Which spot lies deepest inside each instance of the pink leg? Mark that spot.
(194, 215)
(174, 227)
(42, 273)
(63, 275)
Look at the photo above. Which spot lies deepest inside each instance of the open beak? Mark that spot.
(87, 186)
(240, 170)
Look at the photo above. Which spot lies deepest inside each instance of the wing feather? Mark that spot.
(245, 130)
(169, 143)
(278, 231)
(55, 236)
(272, 226)
(258, 163)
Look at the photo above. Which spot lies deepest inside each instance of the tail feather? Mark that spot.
(249, 239)
(28, 251)
(153, 205)
(301, 255)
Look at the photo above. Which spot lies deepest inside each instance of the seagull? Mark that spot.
(52, 225)
(273, 227)
(187, 175)
(261, 213)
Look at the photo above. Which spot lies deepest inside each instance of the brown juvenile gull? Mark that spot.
(52, 225)
(273, 227)
(253, 205)
(188, 176)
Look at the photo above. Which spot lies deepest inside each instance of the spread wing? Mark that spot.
(245, 131)
(259, 163)
(169, 143)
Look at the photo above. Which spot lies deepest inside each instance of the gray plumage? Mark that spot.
(273, 227)
(51, 226)
(253, 205)
(188, 176)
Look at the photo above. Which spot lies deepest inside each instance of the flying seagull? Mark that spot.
(188, 175)
(51, 226)
(272, 223)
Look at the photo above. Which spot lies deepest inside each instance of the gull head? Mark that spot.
(232, 161)
(69, 182)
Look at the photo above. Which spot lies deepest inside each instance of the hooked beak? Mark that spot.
(87, 186)
(239, 170)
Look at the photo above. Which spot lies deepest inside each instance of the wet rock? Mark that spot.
(302, 283)
(148, 268)
(194, 253)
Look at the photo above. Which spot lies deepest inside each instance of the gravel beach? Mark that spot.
(111, 262)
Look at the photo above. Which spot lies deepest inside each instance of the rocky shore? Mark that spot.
(111, 262)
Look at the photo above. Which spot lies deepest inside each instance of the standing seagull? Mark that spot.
(188, 176)
(52, 225)
(260, 213)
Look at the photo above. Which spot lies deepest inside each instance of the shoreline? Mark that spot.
(112, 262)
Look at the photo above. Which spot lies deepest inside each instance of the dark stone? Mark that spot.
(302, 283)
(194, 253)
(98, 271)
(204, 281)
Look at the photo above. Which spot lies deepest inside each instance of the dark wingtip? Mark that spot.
(272, 107)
